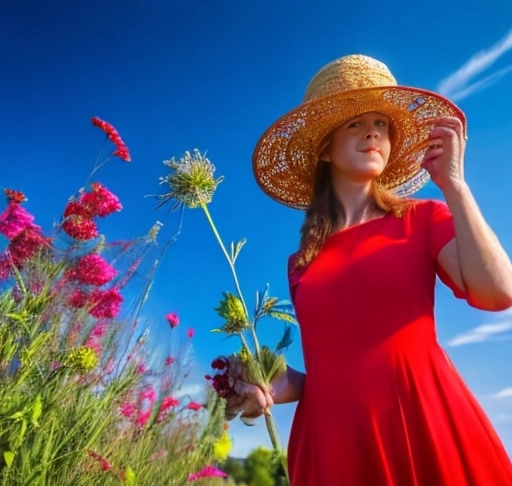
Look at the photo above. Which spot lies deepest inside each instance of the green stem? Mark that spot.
(235, 278)
(276, 441)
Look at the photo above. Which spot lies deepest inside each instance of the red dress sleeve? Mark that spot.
(441, 230)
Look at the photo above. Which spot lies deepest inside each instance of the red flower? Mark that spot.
(100, 201)
(194, 406)
(169, 360)
(104, 464)
(26, 245)
(142, 418)
(14, 196)
(190, 333)
(172, 319)
(78, 299)
(168, 402)
(79, 228)
(76, 208)
(105, 303)
(112, 134)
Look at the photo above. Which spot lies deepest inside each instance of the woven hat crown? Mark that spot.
(349, 73)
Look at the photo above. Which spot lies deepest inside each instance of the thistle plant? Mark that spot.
(192, 183)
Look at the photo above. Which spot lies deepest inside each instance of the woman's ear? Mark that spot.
(324, 153)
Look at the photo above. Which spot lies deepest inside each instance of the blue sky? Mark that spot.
(174, 76)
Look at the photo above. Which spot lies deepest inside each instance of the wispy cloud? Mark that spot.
(505, 393)
(485, 332)
(461, 83)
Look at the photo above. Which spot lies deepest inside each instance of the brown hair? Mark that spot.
(325, 213)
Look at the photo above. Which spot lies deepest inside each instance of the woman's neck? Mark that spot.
(357, 203)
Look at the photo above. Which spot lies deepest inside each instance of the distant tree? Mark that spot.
(260, 468)
(235, 468)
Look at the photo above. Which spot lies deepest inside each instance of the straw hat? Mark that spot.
(286, 156)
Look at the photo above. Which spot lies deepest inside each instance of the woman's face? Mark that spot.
(359, 149)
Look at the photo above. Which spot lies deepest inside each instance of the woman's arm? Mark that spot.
(474, 259)
(288, 387)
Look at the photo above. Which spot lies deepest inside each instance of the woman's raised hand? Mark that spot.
(444, 160)
(251, 400)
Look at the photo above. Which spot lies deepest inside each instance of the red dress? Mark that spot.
(382, 404)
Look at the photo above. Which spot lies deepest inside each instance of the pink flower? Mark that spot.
(112, 134)
(172, 319)
(148, 394)
(190, 333)
(105, 303)
(15, 219)
(92, 269)
(79, 228)
(143, 418)
(14, 196)
(141, 368)
(168, 402)
(127, 409)
(169, 360)
(207, 472)
(100, 201)
(99, 329)
(5, 270)
(194, 406)
(94, 343)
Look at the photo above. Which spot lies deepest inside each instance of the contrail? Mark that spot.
(457, 86)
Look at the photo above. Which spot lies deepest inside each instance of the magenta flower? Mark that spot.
(190, 333)
(168, 402)
(194, 406)
(100, 201)
(105, 303)
(127, 409)
(92, 269)
(14, 220)
(207, 472)
(169, 360)
(142, 418)
(76, 208)
(81, 229)
(5, 270)
(112, 134)
(148, 394)
(172, 319)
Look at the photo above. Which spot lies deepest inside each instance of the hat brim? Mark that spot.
(285, 157)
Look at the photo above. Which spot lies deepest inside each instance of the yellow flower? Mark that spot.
(222, 447)
(232, 309)
(83, 358)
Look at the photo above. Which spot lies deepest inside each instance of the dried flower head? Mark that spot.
(14, 196)
(191, 181)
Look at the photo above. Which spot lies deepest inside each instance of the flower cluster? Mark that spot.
(112, 134)
(101, 303)
(172, 319)
(26, 239)
(83, 358)
(92, 269)
(223, 380)
(79, 213)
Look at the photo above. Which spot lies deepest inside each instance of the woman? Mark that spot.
(380, 403)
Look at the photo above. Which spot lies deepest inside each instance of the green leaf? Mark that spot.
(130, 476)
(37, 410)
(8, 457)
(282, 316)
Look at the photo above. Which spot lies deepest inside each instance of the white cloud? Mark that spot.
(457, 85)
(195, 390)
(484, 332)
(505, 393)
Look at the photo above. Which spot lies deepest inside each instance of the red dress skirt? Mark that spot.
(382, 404)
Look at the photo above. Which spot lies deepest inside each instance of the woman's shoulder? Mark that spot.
(424, 207)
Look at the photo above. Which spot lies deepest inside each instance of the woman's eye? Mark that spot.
(381, 123)
(354, 124)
